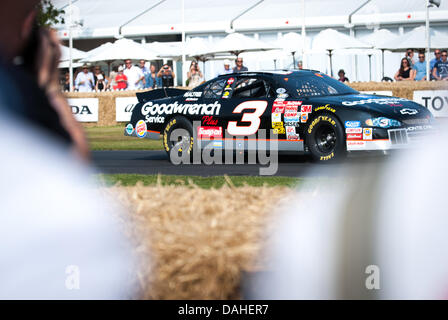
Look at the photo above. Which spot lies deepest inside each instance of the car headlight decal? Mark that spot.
(383, 122)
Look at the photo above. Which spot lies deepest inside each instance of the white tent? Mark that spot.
(292, 43)
(76, 54)
(66, 64)
(120, 50)
(236, 43)
(416, 39)
(330, 40)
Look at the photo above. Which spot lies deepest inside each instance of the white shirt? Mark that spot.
(134, 74)
(87, 86)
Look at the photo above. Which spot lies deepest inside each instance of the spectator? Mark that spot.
(136, 79)
(153, 80)
(404, 73)
(121, 80)
(66, 82)
(167, 75)
(342, 77)
(100, 77)
(437, 54)
(410, 57)
(226, 69)
(112, 75)
(419, 69)
(146, 73)
(300, 65)
(194, 76)
(440, 71)
(85, 81)
(239, 65)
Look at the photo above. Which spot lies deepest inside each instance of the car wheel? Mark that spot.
(325, 138)
(178, 139)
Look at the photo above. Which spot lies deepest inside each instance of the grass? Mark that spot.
(202, 182)
(113, 138)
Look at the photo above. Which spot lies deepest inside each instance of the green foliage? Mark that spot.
(48, 14)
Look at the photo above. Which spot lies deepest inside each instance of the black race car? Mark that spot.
(303, 111)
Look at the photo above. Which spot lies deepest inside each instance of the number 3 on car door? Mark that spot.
(252, 117)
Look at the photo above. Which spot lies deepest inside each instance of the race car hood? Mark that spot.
(392, 107)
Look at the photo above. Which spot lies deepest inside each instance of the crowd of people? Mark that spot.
(122, 77)
(412, 70)
(145, 75)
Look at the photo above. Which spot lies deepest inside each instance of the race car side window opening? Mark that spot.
(252, 88)
(214, 89)
(311, 86)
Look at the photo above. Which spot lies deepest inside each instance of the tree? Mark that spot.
(48, 14)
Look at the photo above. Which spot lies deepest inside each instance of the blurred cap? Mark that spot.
(227, 62)
(120, 68)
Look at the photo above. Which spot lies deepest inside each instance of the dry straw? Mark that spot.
(199, 241)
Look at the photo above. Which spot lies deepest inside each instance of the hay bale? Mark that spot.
(199, 241)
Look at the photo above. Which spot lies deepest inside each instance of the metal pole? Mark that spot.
(370, 67)
(184, 60)
(428, 43)
(304, 61)
(70, 66)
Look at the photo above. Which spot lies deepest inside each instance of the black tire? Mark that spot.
(182, 144)
(325, 138)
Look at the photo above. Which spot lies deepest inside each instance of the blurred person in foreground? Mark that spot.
(419, 69)
(440, 71)
(167, 75)
(375, 231)
(405, 72)
(60, 238)
(239, 67)
(29, 60)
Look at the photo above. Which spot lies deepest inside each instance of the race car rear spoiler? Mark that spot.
(159, 94)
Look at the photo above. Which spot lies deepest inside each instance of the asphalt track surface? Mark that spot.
(155, 162)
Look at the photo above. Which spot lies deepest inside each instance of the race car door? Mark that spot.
(251, 98)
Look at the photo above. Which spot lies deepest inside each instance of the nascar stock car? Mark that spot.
(305, 110)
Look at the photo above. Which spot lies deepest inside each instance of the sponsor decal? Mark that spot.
(281, 90)
(209, 132)
(282, 96)
(165, 134)
(217, 144)
(326, 158)
(352, 124)
(435, 101)
(367, 133)
(124, 106)
(307, 109)
(156, 119)
(141, 129)
(226, 95)
(193, 94)
(191, 99)
(292, 117)
(278, 110)
(278, 128)
(374, 100)
(319, 119)
(409, 111)
(325, 108)
(378, 93)
(419, 128)
(353, 130)
(304, 117)
(209, 121)
(354, 136)
(276, 117)
(230, 81)
(356, 145)
(129, 129)
(85, 109)
(291, 133)
(151, 109)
